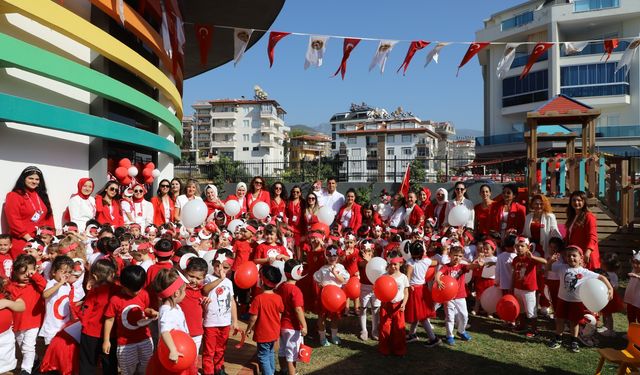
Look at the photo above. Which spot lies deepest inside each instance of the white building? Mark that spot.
(585, 76)
(250, 131)
(377, 146)
(463, 152)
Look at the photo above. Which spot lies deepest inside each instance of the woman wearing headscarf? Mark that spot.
(137, 210)
(82, 206)
(27, 207)
(108, 209)
(212, 200)
(439, 212)
(425, 201)
(164, 207)
(240, 196)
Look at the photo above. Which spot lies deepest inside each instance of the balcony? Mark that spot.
(223, 129)
(517, 21)
(591, 5)
(268, 129)
(316, 148)
(223, 115)
(268, 143)
(231, 143)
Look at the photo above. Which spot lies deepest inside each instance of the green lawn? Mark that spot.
(493, 350)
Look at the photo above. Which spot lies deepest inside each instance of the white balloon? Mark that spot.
(326, 215)
(155, 173)
(193, 213)
(594, 295)
(133, 171)
(234, 224)
(404, 249)
(232, 207)
(280, 265)
(489, 299)
(208, 256)
(458, 216)
(260, 210)
(376, 267)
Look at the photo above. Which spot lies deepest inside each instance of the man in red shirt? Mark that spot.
(265, 313)
(525, 284)
(293, 325)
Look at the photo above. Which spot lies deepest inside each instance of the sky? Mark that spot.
(312, 96)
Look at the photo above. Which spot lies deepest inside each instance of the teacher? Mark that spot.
(582, 229)
(27, 206)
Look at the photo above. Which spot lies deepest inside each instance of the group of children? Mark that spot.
(108, 297)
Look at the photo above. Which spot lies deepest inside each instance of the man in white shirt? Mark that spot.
(331, 197)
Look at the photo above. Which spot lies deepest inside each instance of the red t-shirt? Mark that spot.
(350, 262)
(535, 231)
(131, 310)
(192, 308)
(457, 272)
(524, 273)
(291, 298)
(268, 307)
(91, 313)
(152, 272)
(6, 319)
(31, 294)
(242, 250)
(269, 251)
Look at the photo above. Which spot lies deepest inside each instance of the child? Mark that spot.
(140, 253)
(100, 289)
(367, 297)
(269, 251)
(569, 307)
(6, 261)
(632, 294)
(265, 313)
(314, 251)
(525, 284)
(552, 279)
(504, 267)
(8, 307)
(484, 277)
(27, 285)
(350, 263)
(419, 306)
(332, 273)
(220, 314)
(58, 294)
(192, 304)
(129, 309)
(163, 251)
(456, 309)
(611, 265)
(293, 325)
(392, 325)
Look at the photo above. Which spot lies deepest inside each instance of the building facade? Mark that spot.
(463, 152)
(585, 76)
(309, 147)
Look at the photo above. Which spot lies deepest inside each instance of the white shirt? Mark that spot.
(489, 272)
(146, 264)
(402, 283)
(571, 279)
(465, 202)
(57, 311)
(324, 276)
(335, 200)
(346, 218)
(504, 270)
(397, 217)
(170, 318)
(420, 268)
(81, 211)
(142, 213)
(632, 294)
(218, 311)
(182, 200)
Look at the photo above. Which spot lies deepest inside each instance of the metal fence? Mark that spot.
(388, 170)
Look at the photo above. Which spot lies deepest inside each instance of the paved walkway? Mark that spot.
(241, 361)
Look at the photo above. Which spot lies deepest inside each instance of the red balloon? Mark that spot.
(352, 288)
(125, 163)
(185, 345)
(126, 180)
(431, 273)
(508, 308)
(150, 165)
(246, 275)
(448, 292)
(149, 180)
(321, 227)
(121, 172)
(385, 288)
(333, 298)
(146, 173)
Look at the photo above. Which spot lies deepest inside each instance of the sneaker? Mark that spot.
(474, 312)
(450, 341)
(325, 342)
(490, 316)
(555, 344)
(435, 342)
(530, 334)
(464, 336)
(574, 348)
(25, 372)
(336, 340)
(374, 337)
(364, 336)
(412, 337)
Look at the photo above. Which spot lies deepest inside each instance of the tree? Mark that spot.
(363, 194)
(297, 133)
(418, 174)
(308, 170)
(225, 170)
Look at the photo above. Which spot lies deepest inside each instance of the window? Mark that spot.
(613, 120)
(245, 149)
(589, 5)
(517, 21)
(533, 88)
(390, 152)
(391, 138)
(355, 153)
(423, 152)
(256, 148)
(406, 138)
(407, 151)
(351, 140)
(227, 154)
(245, 137)
(593, 80)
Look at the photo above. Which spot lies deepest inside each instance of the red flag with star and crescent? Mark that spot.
(414, 47)
(274, 38)
(204, 33)
(609, 46)
(538, 50)
(474, 48)
(404, 187)
(347, 48)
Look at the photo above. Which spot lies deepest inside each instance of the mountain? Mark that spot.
(465, 133)
(321, 128)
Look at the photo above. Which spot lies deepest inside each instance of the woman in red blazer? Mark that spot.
(508, 214)
(483, 211)
(415, 216)
(294, 214)
(278, 199)
(350, 214)
(257, 193)
(108, 209)
(582, 229)
(164, 206)
(310, 212)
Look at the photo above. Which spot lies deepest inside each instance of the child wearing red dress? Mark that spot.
(163, 250)
(525, 284)
(350, 263)
(332, 273)
(265, 313)
(293, 325)
(611, 266)
(269, 251)
(314, 251)
(8, 307)
(243, 247)
(6, 260)
(129, 310)
(392, 324)
(27, 285)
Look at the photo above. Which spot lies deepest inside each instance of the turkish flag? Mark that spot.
(204, 33)
(274, 38)
(609, 46)
(404, 188)
(414, 47)
(538, 50)
(474, 48)
(304, 354)
(348, 46)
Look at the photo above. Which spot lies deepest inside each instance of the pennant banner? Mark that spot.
(347, 48)
(473, 50)
(572, 48)
(382, 53)
(315, 51)
(180, 35)
(609, 46)
(204, 33)
(240, 40)
(166, 39)
(538, 50)
(507, 59)
(121, 10)
(415, 46)
(274, 38)
(625, 60)
(434, 54)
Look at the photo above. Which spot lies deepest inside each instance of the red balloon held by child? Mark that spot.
(184, 345)
(508, 308)
(246, 275)
(352, 288)
(333, 298)
(385, 288)
(448, 292)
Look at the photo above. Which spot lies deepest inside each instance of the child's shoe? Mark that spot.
(431, 343)
(450, 341)
(574, 348)
(324, 342)
(412, 337)
(464, 336)
(555, 343)
(336, 340)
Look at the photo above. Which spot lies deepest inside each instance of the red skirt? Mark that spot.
(615, 305)
(419, 305)
(554, 288)
(62, 355)
(571, 311)
(483, 284)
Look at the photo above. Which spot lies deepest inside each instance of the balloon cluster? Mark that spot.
(126, 173)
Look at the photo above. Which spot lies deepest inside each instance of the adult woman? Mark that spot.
(26, 207)
(414, 216)
(191, 192)
(164, 207)
(425, 201)
(460, 199)
(508, 214)
(350, 215)
(294, 212)
(369, 216)
(540, 224)
(257, 193)
(82, 206)
(440, 208)
(482, 210)
(108, 210)
(396, 219)
(212, 200)
(137, 210)
(310, 211)
(176, 188)
(278, 199)
(240, 196)
(582, 229)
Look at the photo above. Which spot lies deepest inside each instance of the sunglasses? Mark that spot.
(311, 199)
(138, 191)
(112, 189)
(257, 183)
(165, 186)
(278, 188)
(460, 189)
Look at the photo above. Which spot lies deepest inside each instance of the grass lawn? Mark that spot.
(493, 350)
